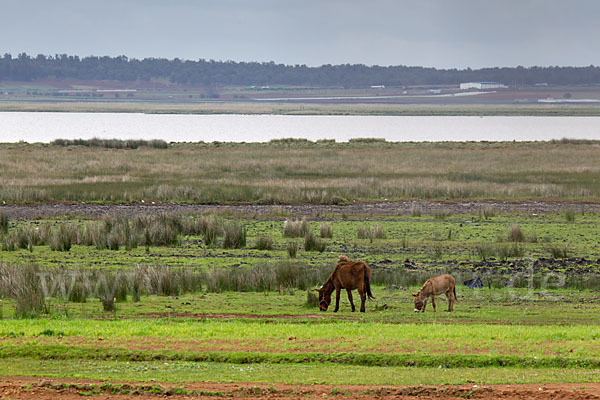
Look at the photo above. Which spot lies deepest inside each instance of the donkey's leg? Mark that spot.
(451, 300)
(350, 298)
(337, 298)
(424, 304)
(433, 302)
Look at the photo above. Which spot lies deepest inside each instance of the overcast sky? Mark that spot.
(436, 33)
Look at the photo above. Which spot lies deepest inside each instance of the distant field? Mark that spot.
(299, 108)
(297, 171)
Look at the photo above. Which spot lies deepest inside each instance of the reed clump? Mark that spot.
(295, 228)
(112, 143)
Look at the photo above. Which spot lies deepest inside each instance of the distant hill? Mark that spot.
(210, 73)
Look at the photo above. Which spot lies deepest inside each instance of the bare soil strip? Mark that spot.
(27, 212)
(46, 389)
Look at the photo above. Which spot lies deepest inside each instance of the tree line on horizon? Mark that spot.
(210, 73)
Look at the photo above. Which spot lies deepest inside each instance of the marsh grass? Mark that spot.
(487, 212)
(312, 298)
(484, 251)
(3, 223)
(295, 228)
(291, 173)
(570, 215)
(22, 284)
(371, 232)
(441, 214)
(326, 230)
(292, 249)
(558, 250)
(234, 235)
(111, 143)
(416, 210)
(515, 234)
(505, 251)
(313, 243)
(264, 242)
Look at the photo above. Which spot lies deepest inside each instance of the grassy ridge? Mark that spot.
(301, 172)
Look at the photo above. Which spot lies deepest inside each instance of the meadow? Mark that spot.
(227, 295)
(295, 171)
(201, 307)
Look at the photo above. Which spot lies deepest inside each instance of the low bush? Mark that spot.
(312, 243)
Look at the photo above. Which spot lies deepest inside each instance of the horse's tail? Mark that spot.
(368, 284)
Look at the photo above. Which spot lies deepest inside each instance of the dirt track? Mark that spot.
(384, 208)
(42, 389)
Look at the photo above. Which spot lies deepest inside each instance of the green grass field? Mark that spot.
(187, 300)
(542, 329)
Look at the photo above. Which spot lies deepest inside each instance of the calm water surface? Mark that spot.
(46, 126)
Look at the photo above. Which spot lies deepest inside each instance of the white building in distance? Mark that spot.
(481, 85)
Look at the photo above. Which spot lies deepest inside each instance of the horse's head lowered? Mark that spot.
(324, 298)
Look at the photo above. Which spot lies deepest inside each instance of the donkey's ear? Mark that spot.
(414, 295)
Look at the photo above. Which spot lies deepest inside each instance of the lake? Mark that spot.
(47, 126)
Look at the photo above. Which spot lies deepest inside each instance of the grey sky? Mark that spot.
(438, 33)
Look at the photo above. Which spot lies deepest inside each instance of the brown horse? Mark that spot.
(347, 275)
(442, 284)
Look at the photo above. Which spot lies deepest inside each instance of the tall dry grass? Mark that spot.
(331, 173)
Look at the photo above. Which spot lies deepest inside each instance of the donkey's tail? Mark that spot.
(454, 291)
(368, 285)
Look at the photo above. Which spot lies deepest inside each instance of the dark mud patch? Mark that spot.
(27, 212)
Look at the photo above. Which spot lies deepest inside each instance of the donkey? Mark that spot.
(347, 275)
(442, 284)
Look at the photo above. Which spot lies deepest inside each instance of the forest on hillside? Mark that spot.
(209, 72)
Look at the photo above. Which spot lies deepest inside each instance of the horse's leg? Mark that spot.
(337, 298)
(363, 298)
(433, 302)
(350, 298)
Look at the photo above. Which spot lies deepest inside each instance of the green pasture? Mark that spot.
(430, 243)
(544, 329)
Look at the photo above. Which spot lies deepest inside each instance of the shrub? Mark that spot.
(23, 284)
(416, 210)
(362, 232)
(312, 298)
(312, 243)
(559, 250)
(484, 251)
(63, 238)
(504, 251)
(292, 249)
(264, 243)
(515, 234)
(570, 215)
(295, 228)
(326, 230)
(3, 223)
(108, 303)
(378, 232)
(374, 232)
(487, 212)
(441, 214)
(235, 235)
